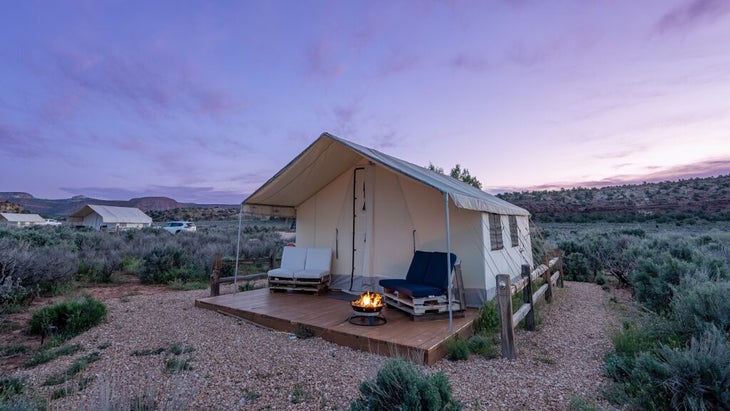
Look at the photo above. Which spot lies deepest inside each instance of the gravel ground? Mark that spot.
(237, 365)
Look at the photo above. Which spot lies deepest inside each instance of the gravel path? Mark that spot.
(237, 365)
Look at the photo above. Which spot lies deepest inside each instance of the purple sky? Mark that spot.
(204, 101)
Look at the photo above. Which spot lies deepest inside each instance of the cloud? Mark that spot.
(21, 143)
(320, 62)
(470, 62)
(398, 62)
(707, 168)
(691, 14)
(150, 82)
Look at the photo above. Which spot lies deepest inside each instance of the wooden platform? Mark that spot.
(421, 342)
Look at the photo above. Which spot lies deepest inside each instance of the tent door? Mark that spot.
(363, 180)
(359, 223)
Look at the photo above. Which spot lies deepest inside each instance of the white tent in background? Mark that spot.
(374, 211)
(22, 220)
(110, 218)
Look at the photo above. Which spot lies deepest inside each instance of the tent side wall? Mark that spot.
(402, 215)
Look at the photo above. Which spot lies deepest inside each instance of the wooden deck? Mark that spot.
(418, 341)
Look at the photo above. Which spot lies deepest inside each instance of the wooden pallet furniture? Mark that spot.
(424, 292)
(302, 269)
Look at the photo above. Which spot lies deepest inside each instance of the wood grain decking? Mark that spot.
(418, 341)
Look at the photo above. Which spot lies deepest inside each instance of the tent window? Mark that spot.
(513, 232)
(495, 232)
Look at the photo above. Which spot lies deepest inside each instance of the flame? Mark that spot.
(369, 299)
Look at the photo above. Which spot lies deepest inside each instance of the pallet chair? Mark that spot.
(424, 291)
(302, 269)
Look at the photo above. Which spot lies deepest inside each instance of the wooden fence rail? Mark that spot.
(215, 277)
(526, 312)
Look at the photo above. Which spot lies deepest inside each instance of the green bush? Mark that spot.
(483, 345)
(11, 386)
(697, 377)
(457, 349)
(400, 386)
(487, 321)
(699, 305)
(600, 280)
(162, 265)
(70, 317)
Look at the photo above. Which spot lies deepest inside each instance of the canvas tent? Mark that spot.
(111, 218)
(374, 210)
(21, 220)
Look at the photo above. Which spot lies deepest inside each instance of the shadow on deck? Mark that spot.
(421, 341)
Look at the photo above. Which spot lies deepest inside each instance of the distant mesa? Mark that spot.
(15, 195)
(66, 207)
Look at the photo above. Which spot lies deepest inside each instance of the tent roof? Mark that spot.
(112, 214)
(22, 218)
(329, 156)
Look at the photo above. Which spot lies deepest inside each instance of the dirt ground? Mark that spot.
(14, 326)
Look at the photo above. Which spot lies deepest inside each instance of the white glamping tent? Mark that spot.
(374, 211)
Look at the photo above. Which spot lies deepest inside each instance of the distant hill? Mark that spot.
(691, 199)
(66, 207)
(9, 207)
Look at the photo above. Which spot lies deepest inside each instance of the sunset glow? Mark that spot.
(204, 102)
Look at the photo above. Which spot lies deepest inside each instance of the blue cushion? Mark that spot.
(416, 271)
(418, 290)
(392, 283)
(436, 275)
(418, 267)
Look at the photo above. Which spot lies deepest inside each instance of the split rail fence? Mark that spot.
(552, 275)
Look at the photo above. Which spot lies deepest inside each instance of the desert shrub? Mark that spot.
(399, 385)
(70, 317)
(303, 332)
(42, 266)
(13, 294)
(654, 280)
(175, 365)
(483, 345)
(11, 386)
(600, 280)
(487, 321)
(457, 349)
(45, 356)
(699, 305)
(576, 267)
(162, 265)
(694, 377)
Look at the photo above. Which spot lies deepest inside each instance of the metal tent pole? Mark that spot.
(448, 262)
(238, 248)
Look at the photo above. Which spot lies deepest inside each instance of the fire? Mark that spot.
(369, 300)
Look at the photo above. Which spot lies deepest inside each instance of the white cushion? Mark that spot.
(281, 272)
(311, 273)
(292, 260)
(318, 259)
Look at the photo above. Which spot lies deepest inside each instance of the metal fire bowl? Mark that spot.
(366, 309)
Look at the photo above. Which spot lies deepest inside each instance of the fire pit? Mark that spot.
(366, 310)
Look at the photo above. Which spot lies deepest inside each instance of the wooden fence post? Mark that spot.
(559, 254)
(527, 298)
(547, 275)
(507, 329)
(215, 286)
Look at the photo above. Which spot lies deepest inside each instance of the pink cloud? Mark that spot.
(708, 168)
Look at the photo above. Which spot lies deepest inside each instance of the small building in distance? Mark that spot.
(110, 218)
(22, 220)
